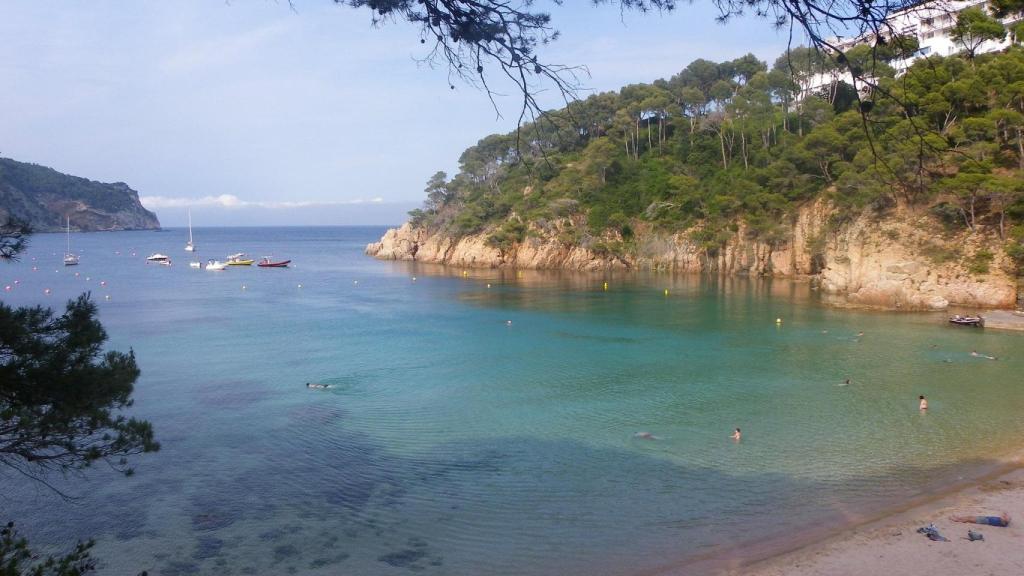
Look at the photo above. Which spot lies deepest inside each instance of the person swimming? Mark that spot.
(737, 435)
(924, 403)
(985, 356)
(317, 386)
(645, 436)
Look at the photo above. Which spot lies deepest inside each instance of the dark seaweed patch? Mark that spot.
(207, 547)
(284, 552)
(179, 568)
(336, 559)
(402, 558)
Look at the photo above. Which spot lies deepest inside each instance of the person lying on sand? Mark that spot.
(1002, 521)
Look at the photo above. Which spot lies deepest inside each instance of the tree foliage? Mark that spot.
(61, 396)
(480, 40)
(973, 28)
(17, 559)
(724, 142)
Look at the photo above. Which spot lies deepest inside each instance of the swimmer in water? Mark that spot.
(736, 435)
(318, 386)
(924, 404)
(645, 436)
(985, 356)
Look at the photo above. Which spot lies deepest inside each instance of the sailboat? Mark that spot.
(190, 247)
(69, 258)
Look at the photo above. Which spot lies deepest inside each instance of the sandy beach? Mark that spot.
(892, 545)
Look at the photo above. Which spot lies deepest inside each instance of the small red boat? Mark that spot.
(267, 263)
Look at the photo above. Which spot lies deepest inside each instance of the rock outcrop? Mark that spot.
(886, 262)
(44, 198)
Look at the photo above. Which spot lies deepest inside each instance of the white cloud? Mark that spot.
(232, 201)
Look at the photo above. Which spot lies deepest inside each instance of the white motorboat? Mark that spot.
(195, 264)
(158, 257)
(69, 258)
(216, 265)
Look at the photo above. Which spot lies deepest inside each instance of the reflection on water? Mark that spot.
(475, 429)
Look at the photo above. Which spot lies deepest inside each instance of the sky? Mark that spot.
(254, 112)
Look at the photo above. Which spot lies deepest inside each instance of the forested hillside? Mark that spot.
(734, 144)
(44, 198)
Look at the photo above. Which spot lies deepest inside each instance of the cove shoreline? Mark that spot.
(885, 540)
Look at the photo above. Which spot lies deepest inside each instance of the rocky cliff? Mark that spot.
(44, 198)
(902, 260)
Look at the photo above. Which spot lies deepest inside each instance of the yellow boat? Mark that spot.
(239, 260)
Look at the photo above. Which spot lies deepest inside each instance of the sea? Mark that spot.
(495, 422)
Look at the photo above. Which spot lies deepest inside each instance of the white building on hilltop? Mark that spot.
(931, 22)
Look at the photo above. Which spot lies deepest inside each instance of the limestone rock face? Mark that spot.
(867, 262)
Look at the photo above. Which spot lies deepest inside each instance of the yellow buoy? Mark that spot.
(666, 291)
(605, 285)
(778, 320)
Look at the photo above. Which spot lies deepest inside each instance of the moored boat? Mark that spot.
(266, 262)
(959, 320)
(69, 258)
(239, 259)
(190, 246)
(215, 265)
(157, 257)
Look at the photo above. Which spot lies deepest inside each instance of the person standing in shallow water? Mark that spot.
(736, 435)
(924, 403)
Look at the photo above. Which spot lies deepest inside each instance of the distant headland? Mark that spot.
(45, 198)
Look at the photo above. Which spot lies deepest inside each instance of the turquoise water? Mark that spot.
(452, 442)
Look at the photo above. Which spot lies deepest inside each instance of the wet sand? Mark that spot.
(892, 545)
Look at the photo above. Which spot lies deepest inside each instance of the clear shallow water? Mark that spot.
(454, 443)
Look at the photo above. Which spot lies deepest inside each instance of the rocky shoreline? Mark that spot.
(894, 262)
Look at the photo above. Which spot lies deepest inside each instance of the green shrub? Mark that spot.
(979, 263)
(939, 254)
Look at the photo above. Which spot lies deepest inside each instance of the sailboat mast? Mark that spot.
(69, 235)
(189, 225)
